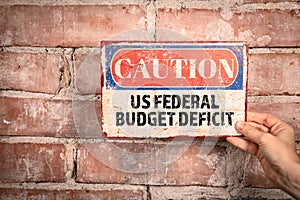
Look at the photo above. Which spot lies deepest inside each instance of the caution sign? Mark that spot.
(161, 90)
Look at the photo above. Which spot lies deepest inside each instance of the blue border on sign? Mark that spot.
(111, 50)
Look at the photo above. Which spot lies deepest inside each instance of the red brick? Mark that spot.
(274, 74)
(284, 111)
(12, 193)
(24, 162)
(51, 118)
(66, 25)
(191, 168)
(258, 28)
(35, 72)
(255, 176)
(36, 117)
(87, 78)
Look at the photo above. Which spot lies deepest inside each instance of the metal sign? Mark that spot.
(169, 89)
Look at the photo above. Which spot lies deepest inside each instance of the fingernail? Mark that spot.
(240, 125)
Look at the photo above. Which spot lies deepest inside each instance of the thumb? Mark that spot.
(249, 131)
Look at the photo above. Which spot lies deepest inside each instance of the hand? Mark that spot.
(272, 142)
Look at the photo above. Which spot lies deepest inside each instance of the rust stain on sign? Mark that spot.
(166, 89)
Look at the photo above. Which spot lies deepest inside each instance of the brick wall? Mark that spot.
(44, 44)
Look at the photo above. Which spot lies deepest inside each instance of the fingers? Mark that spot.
(243, 144)
(274, 125)
(260, 127)
(263, 118)
(249, 131)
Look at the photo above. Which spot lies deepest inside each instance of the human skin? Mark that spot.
(273, 142)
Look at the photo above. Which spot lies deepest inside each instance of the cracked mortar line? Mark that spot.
(66, 70)
(71, 2)
(175, 4)
(276, 50)
(152, 12)
(274, 99)
(72, 141)
(24, 94)
(71, 161)
(71, 56)
(37, 140)
(262, 193)
(25, 49)
(236, 5)
(151, 19)
(235, 161)
(148, 192)
(72, 186)
(38, 95)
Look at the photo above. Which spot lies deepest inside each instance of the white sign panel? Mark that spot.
(162, 90)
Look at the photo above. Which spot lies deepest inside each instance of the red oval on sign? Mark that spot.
(174, 68)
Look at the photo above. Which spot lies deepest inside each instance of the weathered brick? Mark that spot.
(288, 112)
(28, 162)
(191, 168)
(77, 25)
(34, 72)
(274, 74)
(255, 176)
(36, 117)
(257, 27)
(87, 72)
(12, 193)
